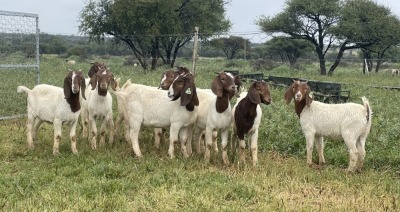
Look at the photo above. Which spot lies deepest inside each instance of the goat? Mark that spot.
(247, 117)
(99, 106)
(149, 106)
(166, 80)
(349, 122)
(215, 113)
(96, 67)
(206, 93)
(55, 105)
(170, 75)
(395, 72)
(120, 117)
(70, 62)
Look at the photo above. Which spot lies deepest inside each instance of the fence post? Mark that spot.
(196, 34)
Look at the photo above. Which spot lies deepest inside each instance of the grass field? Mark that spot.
(111, 179)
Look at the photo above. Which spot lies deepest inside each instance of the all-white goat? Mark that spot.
(55, 105)
(149, 106)
(247, 117)
(70, 62)
(349, 121)
(99, 106)
(215, 113)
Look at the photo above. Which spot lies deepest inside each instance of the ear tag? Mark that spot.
(310, 94)
(188, 91)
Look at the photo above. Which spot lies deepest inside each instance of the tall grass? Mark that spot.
(110, 178)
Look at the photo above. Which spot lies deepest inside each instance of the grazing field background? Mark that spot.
(111, 178)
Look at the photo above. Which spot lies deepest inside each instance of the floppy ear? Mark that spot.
(113, 83)
(67, 88)
(254, 96)
(83, 88)
(187, 92)
(289, 94)
(93, 81)
(309, 97)
(216, 87)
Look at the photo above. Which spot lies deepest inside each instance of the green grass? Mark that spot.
(111, 179)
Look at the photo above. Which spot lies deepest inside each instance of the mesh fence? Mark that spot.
(19, 60)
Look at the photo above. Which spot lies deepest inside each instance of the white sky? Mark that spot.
(62, 16)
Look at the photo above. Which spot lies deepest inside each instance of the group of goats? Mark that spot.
(189, 112)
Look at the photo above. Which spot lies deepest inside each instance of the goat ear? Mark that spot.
(113, 83)
(216, 87)
(289, 94)
(254, 96)
(93, 81)
(309, 97)
(187, 93)
(83, 87)
(67, 88)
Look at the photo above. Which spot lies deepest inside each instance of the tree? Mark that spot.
(153, 29)
(287, 49)
(309, 20)
(363, 25)
(326, 23)
(231, 45)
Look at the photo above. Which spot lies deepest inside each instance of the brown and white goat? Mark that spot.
(99, 106)
(247, 117)
(55, 105)
(170, 75)
(349, 122)
(151, 107)
(96, 67)
(215, 112)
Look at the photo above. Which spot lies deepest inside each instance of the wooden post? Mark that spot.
(196, 37)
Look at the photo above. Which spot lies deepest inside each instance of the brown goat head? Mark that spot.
(259, 92)
(299, 91)
(102, 79)
(96, 67)
(223, 83)
(73, 83)
(169, 76)
(183, 86)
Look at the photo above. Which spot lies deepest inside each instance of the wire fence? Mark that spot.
(19, 57)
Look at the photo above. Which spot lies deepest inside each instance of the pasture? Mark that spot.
(110, 178)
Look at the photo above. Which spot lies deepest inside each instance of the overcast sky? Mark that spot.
(62, 16)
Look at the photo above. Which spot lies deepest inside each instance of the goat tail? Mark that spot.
(367, 108)
(21, 89)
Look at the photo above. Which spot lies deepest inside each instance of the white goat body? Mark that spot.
(151, 107)
(350, 122)
(47, 103)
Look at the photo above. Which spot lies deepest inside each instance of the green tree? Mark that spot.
(355, 24)
(289, 50)
(153, 29)
(231, 45)
(309, 20)
(367, 26)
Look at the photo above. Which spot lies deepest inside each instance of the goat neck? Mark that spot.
(222, 102)
(245, 113)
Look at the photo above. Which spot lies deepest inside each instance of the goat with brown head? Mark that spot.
(183, 86)
(102, 79)
(224, 87)
(301, 93)
(96, 67)
(74, 83)
(247, 117)
(169, 76)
